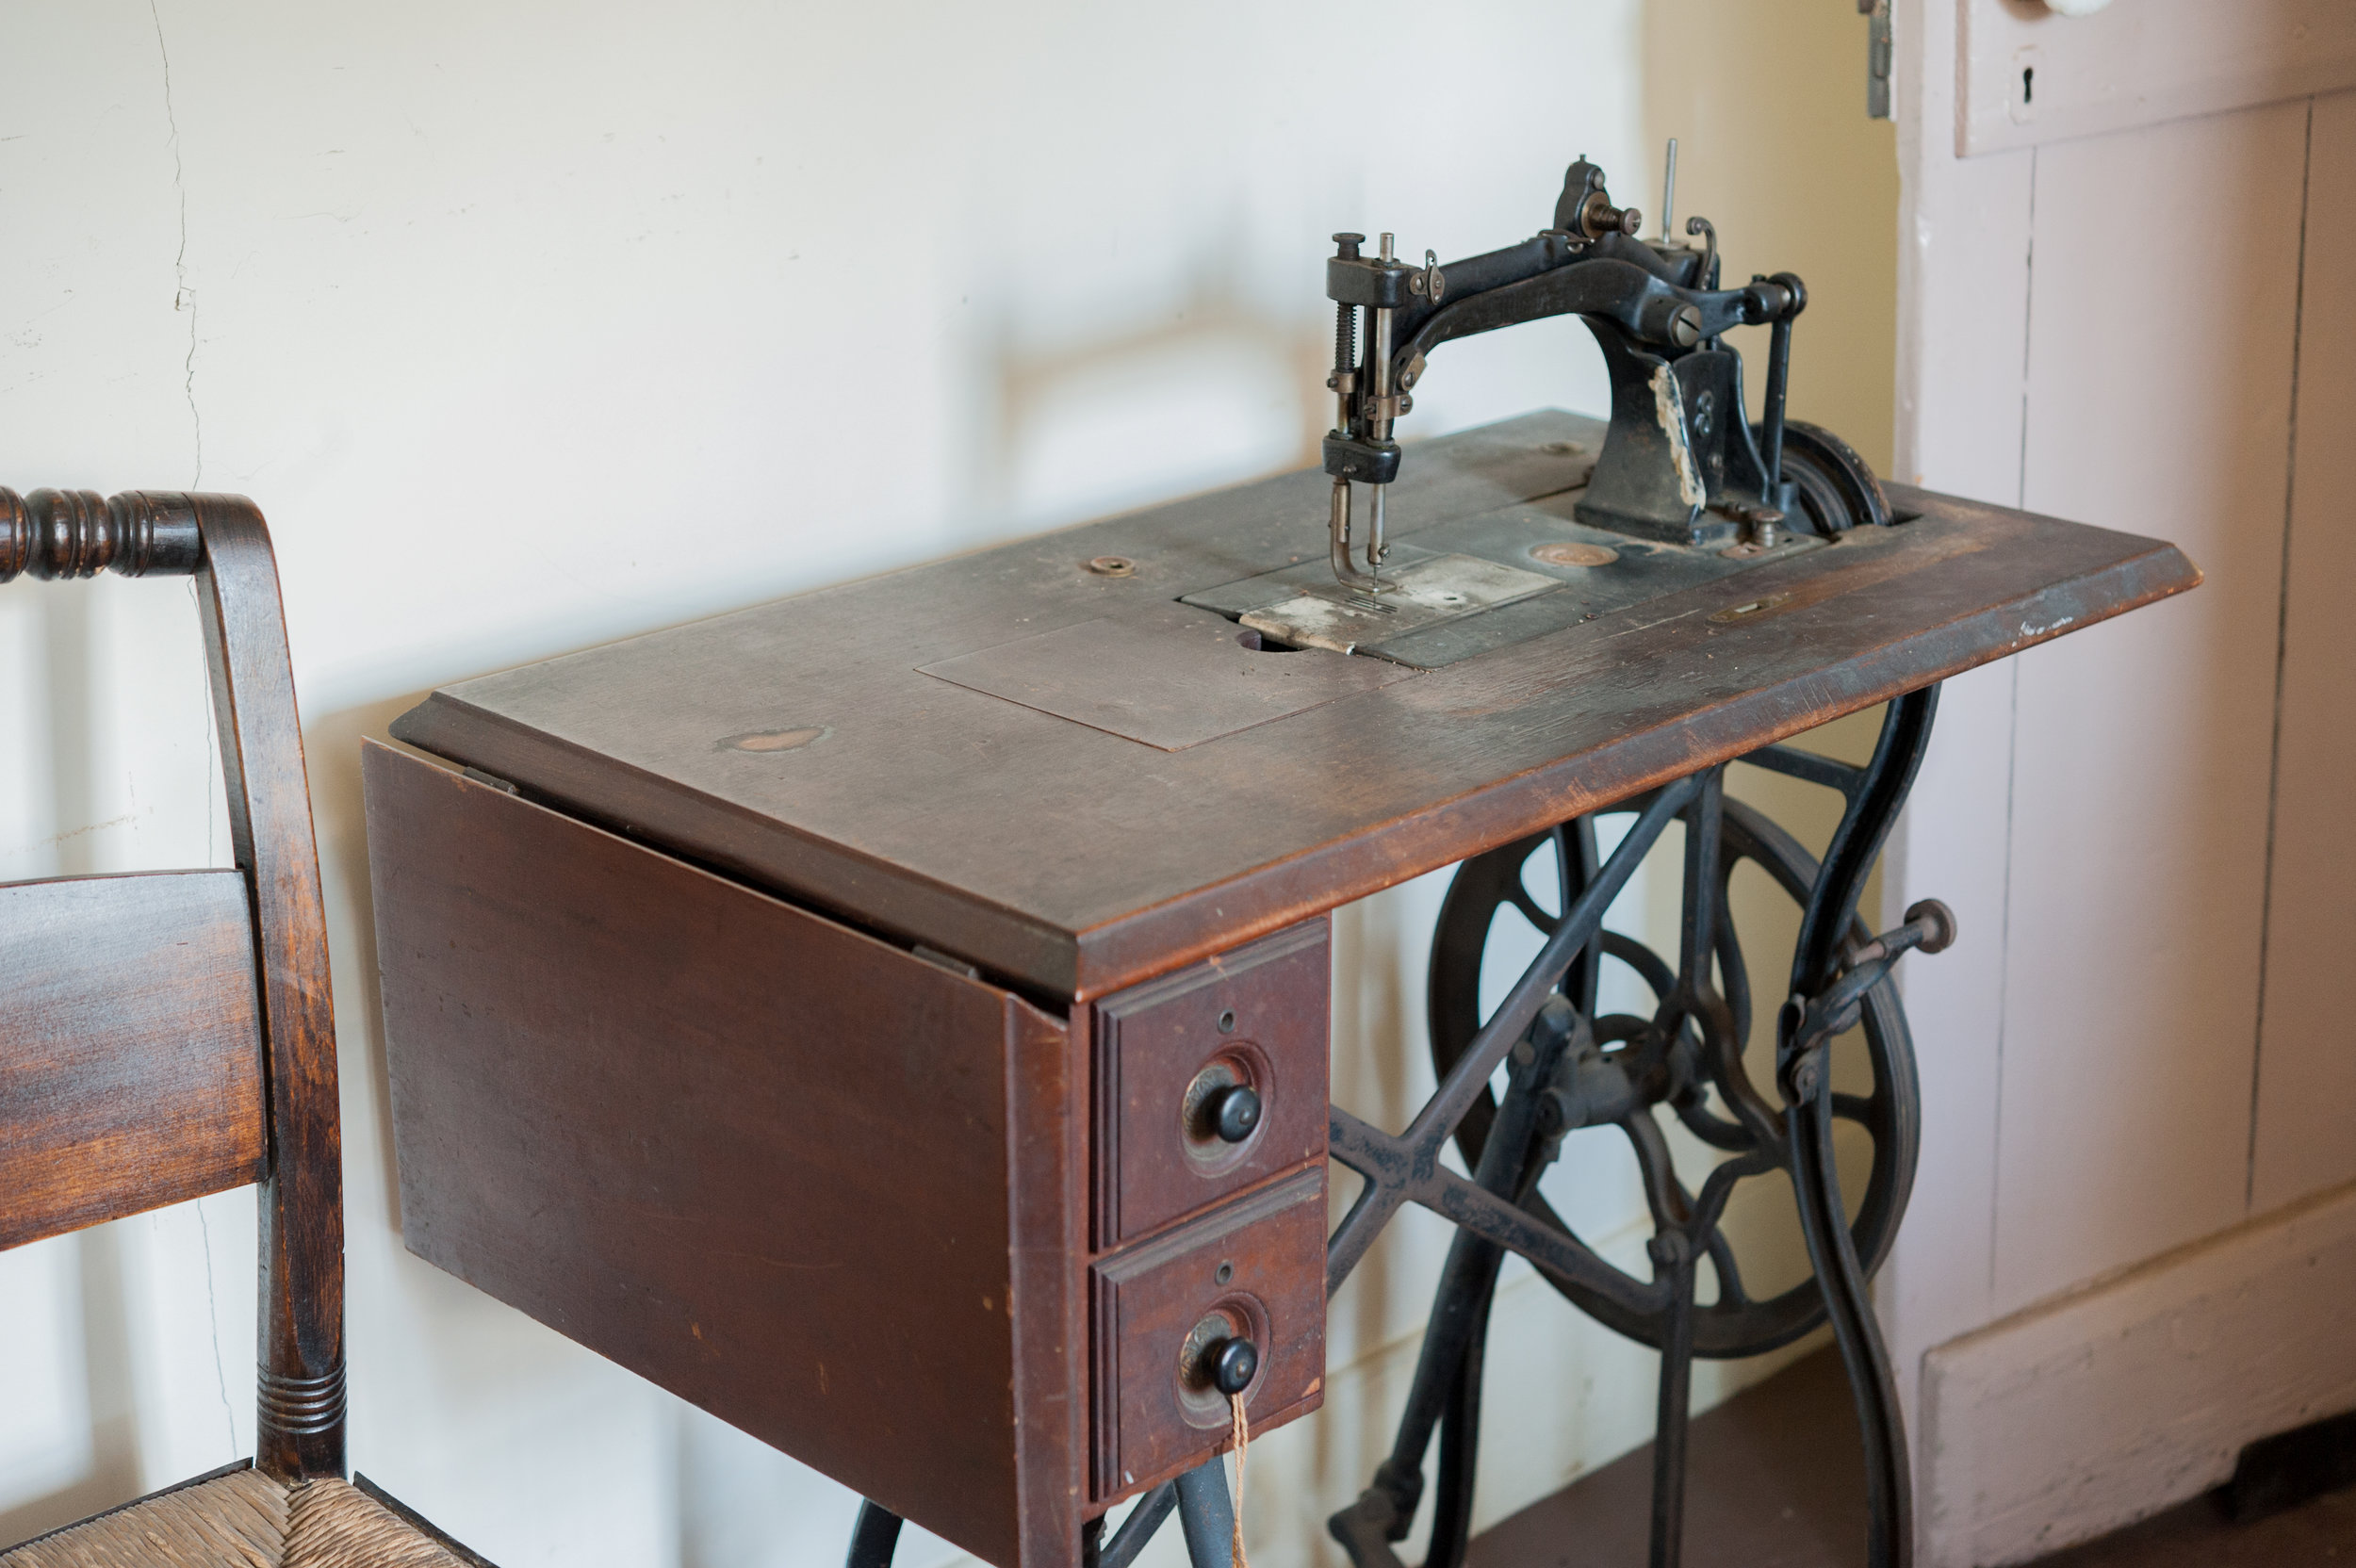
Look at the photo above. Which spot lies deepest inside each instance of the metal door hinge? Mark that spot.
(1877, 58)
(939, 959)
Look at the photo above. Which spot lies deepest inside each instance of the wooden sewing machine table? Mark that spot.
(814, 1009)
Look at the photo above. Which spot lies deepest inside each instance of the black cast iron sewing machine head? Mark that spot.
(1681, 465)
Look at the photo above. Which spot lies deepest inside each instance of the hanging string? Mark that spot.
(1243, 1441)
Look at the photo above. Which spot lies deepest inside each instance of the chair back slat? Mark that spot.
(130, 1048)
(152, 1066)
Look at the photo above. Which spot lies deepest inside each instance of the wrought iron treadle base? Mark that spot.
(1570, 1070)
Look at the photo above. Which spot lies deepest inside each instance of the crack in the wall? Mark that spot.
(212, 1308)
(184, 299)
(183, 296)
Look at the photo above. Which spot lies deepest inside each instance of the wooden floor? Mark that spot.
(1776, 1481)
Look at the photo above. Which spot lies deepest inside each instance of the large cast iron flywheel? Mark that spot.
(1734, 1323)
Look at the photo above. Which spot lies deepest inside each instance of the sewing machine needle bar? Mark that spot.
(1669, 195)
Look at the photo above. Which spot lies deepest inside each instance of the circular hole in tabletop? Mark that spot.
(1110, 566)
(1574, 552)
(761, 741)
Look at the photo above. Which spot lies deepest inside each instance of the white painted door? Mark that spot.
(2128, 246)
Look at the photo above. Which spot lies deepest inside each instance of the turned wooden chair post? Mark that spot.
(301, 1424)
(223, 543)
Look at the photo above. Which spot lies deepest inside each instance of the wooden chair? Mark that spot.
(169, 1033)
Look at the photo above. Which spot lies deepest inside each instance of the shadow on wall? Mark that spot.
(110, 1472)
(85, 1273)
(1217, 392)
(332, 754)
(72, 748)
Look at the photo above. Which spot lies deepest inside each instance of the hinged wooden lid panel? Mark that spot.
(807, 1181)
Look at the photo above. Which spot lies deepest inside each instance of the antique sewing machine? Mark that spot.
(1681, 472)
(1679, 449)
(895, 1018)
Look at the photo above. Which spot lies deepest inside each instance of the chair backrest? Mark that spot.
(167, 1034)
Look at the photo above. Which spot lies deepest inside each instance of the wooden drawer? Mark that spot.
(1255, 1018)
(1255, 1267)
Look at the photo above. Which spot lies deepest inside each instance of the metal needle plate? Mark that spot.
(1477, 583)
(1426, 590)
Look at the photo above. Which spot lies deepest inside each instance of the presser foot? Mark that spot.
(1337, 542)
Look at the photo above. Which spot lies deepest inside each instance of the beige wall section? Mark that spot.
(1768, 104)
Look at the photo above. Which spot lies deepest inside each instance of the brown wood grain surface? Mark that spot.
(1076, 861)
(1256, 1017)
(1255, 1267)
(821, 1187)
(301, 1320)
(130, 1067)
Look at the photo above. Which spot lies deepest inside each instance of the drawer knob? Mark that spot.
(1234, 1112)
(1233, 1367)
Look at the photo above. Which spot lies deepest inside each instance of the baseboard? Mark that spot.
(2095, 1409)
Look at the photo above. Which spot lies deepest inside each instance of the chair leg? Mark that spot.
(1206, 1516)
(874, 1537)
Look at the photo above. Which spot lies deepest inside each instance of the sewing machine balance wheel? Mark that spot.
(1837, 487)
(1671, 1063)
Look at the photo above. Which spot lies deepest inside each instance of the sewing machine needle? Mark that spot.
(1669, 195)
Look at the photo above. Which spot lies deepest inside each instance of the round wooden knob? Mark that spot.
(1235, 1366)
(1235, 1113)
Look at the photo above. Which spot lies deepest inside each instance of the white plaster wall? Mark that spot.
(531, 326)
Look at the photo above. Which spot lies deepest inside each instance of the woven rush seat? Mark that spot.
(245, 1519)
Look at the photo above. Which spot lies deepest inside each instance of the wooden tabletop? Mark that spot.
(1118, 784)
